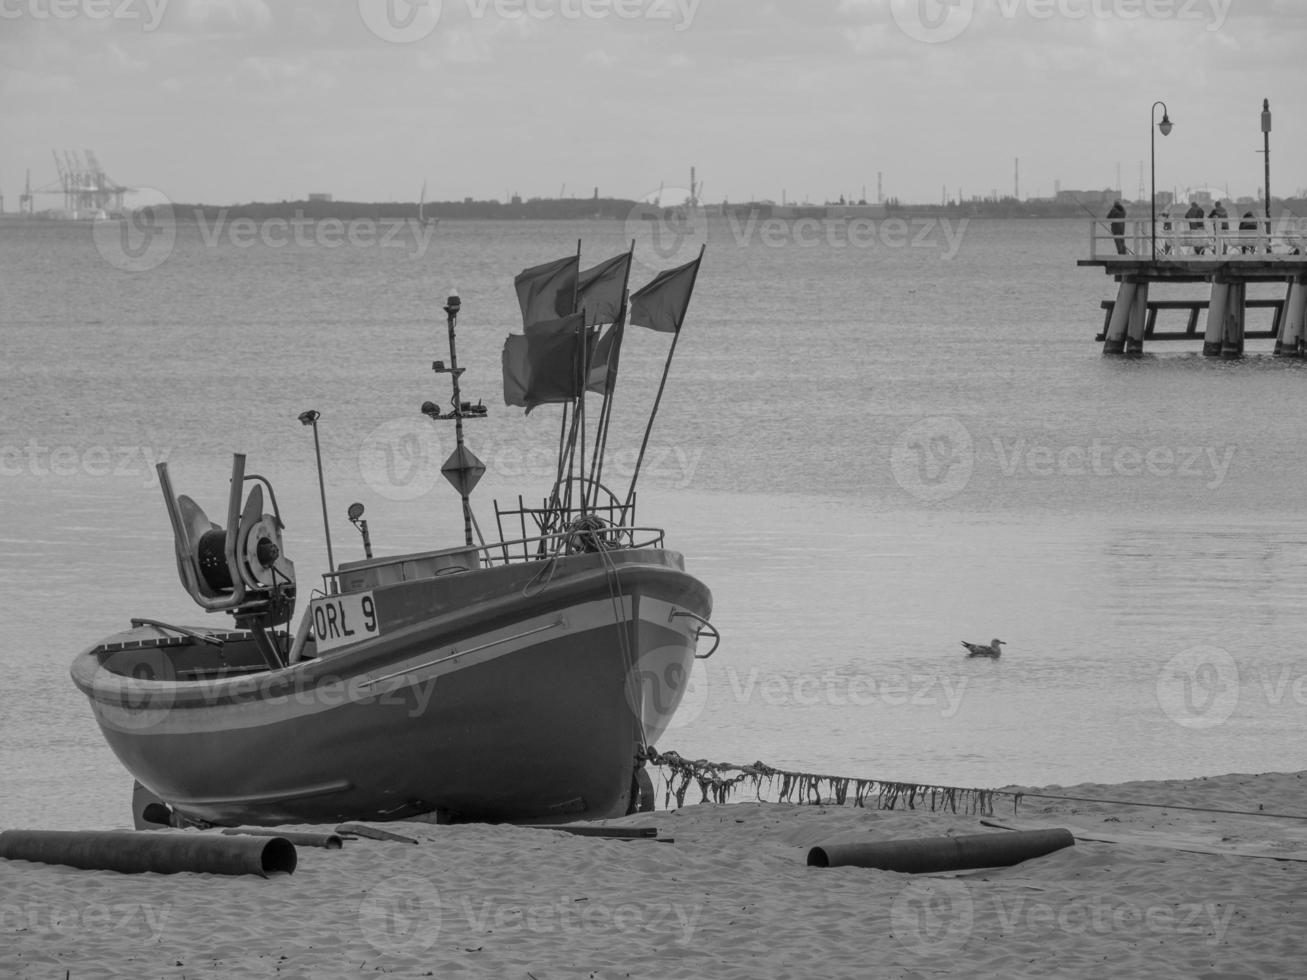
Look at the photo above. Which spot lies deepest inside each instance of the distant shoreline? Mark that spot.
(616, 209)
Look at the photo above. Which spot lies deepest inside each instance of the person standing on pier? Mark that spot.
(1118, 227)
(1249, 223)
(1195, 216)
(1219, 224)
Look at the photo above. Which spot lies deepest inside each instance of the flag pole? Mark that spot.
(580, 401)
(648, 429)
(610, 379)
(558, 470)
(578, 413)
(606, 409)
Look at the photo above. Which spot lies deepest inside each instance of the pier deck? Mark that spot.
(1227, 259)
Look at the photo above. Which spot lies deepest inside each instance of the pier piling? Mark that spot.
(1289, 339)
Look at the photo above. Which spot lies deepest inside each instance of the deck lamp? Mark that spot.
(1165, 127)
(1266, 151)
(310, 418)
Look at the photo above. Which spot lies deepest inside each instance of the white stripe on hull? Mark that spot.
(413, 678)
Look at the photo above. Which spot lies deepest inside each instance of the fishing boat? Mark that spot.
(521, 678)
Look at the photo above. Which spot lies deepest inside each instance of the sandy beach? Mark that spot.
(1165, 893)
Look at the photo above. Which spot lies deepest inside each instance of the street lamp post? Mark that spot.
(1266, 150)
(1165, 127)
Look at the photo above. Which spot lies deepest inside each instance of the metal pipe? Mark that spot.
(138, 852)
(301, 838)
(929, 855)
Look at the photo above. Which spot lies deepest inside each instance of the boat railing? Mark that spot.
(582, 536)
(587, 534)
(1178, 237)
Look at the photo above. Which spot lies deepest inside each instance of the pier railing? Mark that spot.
(1180, 238)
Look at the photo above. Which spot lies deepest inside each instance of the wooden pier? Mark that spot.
(1226, 259)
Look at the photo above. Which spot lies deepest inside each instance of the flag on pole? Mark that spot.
(602, 289)
(661, 305)
(517, 371)
(603, 361)
(548, 291)
(544, 366)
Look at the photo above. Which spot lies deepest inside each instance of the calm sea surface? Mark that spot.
(868, 449)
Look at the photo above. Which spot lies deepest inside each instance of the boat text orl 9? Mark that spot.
(517, 679)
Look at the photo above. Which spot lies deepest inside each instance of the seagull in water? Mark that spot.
(980, 650)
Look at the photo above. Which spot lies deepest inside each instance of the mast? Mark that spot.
(463, 469)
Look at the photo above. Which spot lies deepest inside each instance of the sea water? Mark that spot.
(874, 443)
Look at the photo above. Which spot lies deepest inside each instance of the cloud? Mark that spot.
(224, 16)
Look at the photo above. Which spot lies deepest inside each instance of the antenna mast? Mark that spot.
(463, 470)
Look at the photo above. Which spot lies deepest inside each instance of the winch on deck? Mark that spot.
(241, 569)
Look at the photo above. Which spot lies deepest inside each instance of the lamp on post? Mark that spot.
(1165, 127)
(1266, 150)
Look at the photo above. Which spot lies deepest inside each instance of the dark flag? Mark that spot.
(602, 290)
(517, 372)
(603, 361)
(544, 366)
(661, 305)
(548, 291)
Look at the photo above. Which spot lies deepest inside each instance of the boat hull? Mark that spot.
(493, 695)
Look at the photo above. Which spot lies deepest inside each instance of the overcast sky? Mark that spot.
(225, 101)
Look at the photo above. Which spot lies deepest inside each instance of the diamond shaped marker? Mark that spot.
(463, 470)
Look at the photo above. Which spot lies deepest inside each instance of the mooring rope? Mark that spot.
(718, 782)
(1157, 806)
